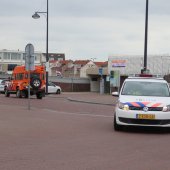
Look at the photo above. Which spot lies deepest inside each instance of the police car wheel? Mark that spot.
(115, 125)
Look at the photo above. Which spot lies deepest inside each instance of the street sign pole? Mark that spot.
(29, 65)
(29, 106)
(100, 71)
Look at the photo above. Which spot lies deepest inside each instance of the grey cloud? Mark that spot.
(95, 8)
(86, 28)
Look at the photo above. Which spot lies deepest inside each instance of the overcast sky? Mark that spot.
(84, 29)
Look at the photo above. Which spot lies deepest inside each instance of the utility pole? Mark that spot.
(146, 37)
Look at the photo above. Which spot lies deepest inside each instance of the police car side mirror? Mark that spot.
(115, 93)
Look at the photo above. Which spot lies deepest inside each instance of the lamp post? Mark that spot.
(146, 37)
(36, 16)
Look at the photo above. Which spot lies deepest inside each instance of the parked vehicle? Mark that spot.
(53, 88)
(144, 100)
(3, 82)
(20, 81)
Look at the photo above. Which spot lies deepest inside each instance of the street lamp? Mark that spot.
(146, 37)
(36, 16)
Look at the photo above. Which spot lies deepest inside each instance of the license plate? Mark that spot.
(145, 116)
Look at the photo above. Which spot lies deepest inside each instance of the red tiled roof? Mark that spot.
(101, 64)
(81, 62)
(65, 61)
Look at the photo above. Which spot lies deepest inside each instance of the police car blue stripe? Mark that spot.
(128, 103)
(141, 104)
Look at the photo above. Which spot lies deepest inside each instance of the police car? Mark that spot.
(144, 100)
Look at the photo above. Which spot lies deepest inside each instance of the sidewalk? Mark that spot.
(88, 97)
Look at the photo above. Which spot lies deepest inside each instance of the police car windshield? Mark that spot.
(137, 88)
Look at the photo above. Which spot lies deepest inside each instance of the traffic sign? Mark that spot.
(29, 57)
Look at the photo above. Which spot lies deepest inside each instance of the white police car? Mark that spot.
(144, 100)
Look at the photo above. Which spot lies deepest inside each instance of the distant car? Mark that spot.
(53, 88)
(3, 82)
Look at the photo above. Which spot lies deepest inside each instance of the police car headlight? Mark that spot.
(166, 108)
(123, 106)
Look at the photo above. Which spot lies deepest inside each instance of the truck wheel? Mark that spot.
(19, 94)
(39, 96)
(35, 83)
(25, 94)
(7, 94)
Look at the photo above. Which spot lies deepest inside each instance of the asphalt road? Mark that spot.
(57, 134)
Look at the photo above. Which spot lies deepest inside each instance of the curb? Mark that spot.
(90, 102)
(83, 101)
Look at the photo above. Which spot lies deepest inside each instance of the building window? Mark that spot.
(15, 56)
(60, 59)
(23, 56)
(94, 79)
(11, 67)
(37, 57)
(7, 56)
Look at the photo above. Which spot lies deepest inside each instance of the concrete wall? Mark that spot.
(67, 84)
(95, 85)
(72, 84)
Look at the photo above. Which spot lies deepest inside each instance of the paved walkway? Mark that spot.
(88, 97)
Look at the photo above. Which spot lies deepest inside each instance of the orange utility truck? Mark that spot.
(19, 82)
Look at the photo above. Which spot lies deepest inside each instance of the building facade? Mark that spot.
(129, 64)
(10, 58)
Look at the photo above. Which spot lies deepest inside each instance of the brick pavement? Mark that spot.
(84, 97)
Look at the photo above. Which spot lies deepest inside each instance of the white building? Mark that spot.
(10, 58)
(83, 70)
(130, 64)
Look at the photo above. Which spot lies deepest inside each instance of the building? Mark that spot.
(54, 63)
(120, 66)
(130, 64)
(10, 58)
(97, 73)
(80, 66)
(55, 56)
